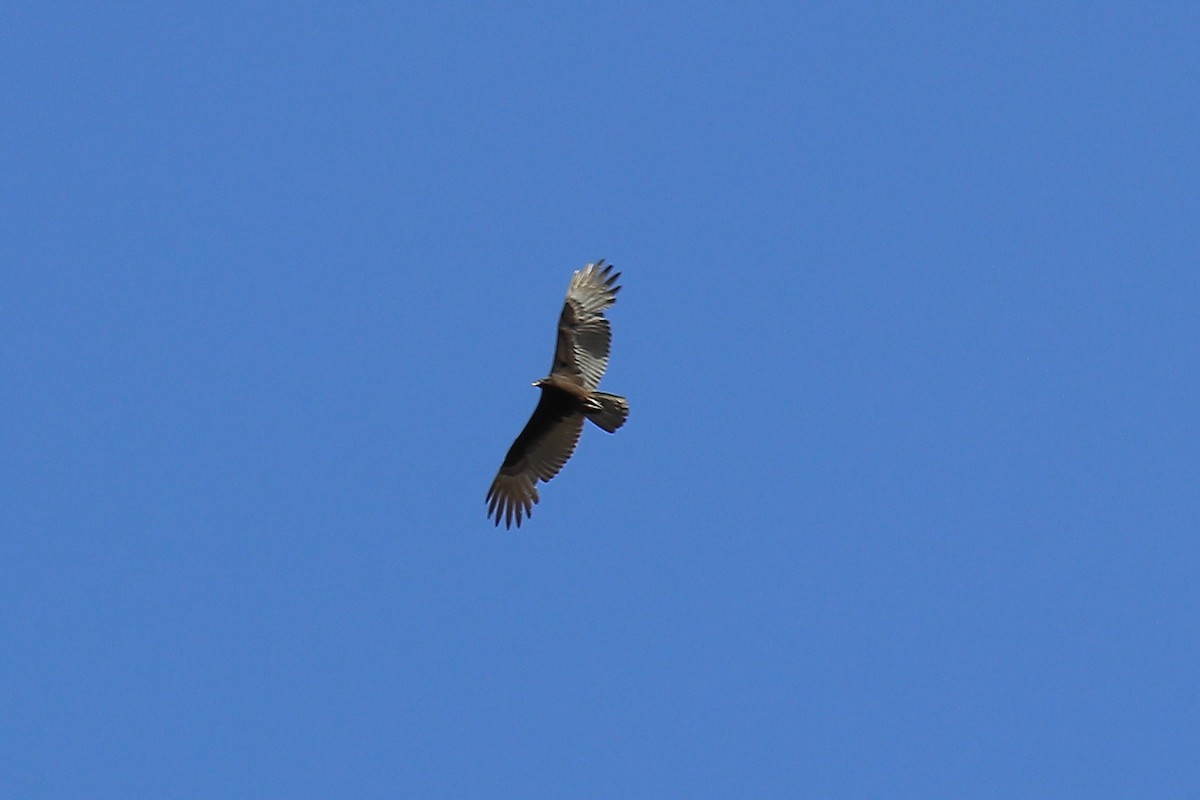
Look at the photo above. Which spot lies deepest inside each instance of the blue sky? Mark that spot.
(907, 505)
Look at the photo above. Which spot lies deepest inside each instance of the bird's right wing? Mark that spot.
(584, 335)
(539, 452)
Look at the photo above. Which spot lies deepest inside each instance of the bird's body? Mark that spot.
(558, 383)
(568, 397)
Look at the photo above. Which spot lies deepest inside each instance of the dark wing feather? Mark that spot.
(539, 452)
(584, 336)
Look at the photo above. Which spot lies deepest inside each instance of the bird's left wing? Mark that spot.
(584, 335)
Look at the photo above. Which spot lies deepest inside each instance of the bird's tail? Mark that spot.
(609, 411)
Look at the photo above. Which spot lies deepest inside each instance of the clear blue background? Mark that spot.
(908, 502)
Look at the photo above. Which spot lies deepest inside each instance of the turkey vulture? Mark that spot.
(568, 395)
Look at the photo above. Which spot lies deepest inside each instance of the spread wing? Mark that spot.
(548, 440)
(584, 336)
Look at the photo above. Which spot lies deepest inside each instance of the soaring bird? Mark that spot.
(568, 396)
